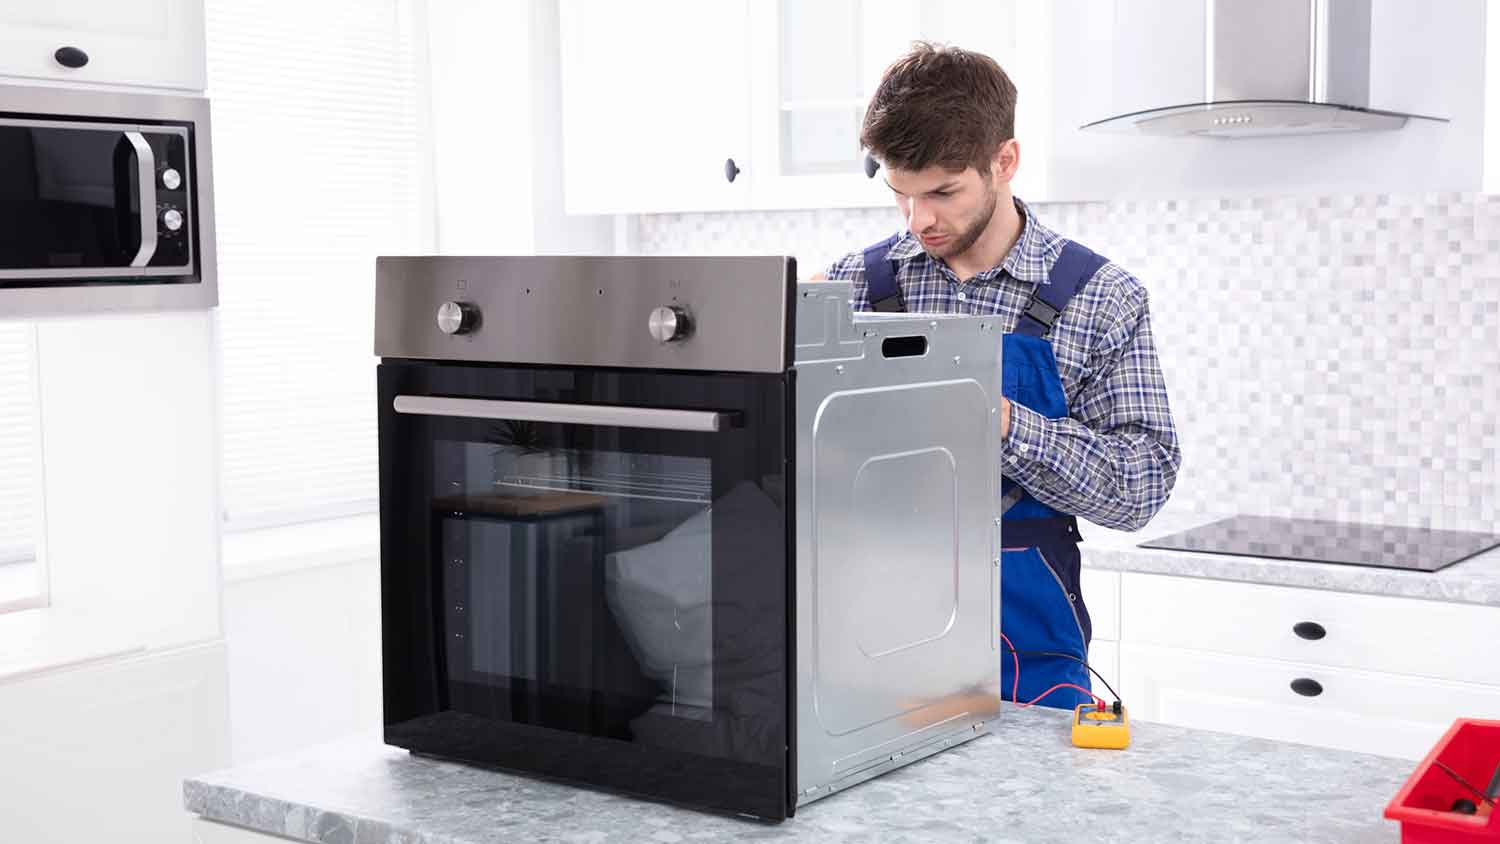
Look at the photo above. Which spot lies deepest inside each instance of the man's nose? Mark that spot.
(919, 216)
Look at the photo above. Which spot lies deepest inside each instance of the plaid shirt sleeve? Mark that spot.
(851, 268)
(1114, 459)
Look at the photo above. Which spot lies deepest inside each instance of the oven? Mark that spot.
(105, 202)
(598, 537)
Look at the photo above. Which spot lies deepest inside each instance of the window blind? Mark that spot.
(19, 452)
(320, 165)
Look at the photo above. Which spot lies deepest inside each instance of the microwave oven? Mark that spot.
(106, 202)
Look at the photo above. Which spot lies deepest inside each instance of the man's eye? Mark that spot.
(942, 194)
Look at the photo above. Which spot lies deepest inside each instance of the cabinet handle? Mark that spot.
(871, 165)
(1310, 630)
(730, 169)
(1307, 687)
(71, 57)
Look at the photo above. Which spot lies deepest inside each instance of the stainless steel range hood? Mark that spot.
(1270, 67)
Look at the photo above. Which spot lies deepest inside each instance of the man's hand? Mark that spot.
(819, 277)
(1004, 418)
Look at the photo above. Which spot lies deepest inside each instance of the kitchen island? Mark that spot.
(1023, 782)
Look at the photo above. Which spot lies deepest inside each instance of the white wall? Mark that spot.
(304, 657)
(116, 691)
(304, 643)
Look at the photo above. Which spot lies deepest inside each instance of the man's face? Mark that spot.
(948, 211)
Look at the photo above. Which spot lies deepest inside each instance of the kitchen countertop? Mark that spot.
(1473, 581)
(1024, 782)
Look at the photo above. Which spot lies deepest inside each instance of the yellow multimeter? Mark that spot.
(1095, 727)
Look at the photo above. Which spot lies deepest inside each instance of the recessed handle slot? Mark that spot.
(911, 346)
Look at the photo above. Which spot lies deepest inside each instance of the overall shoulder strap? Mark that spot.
(1074, 267)
(884, 292)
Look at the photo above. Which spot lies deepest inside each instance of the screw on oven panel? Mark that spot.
(458, 636)
(957, 360)
(839, 370)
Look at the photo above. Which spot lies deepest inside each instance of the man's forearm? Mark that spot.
(1118, 479)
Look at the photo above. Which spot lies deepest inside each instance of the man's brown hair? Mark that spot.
(940, 105)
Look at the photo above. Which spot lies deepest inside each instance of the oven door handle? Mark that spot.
(608, 415)
(145, 168)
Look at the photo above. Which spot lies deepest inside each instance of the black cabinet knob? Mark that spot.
(730, 169)
(71, 57)
(1309, 630)
(1307, 687)
(871, 165)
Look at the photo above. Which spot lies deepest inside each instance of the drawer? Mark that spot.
(1101, 594)
(1359, 711)
(1371, 632)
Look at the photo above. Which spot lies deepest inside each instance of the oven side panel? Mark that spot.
(897, 585)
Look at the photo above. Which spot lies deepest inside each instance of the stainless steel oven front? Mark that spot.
(602, 554)
(105, 201)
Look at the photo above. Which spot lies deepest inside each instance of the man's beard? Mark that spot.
(971, 233)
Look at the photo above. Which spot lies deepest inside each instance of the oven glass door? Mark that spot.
(585, 574)
(93, 201)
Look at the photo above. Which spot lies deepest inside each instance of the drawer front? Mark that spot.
(1358, 711)
(1389, 635)
(1101, 594)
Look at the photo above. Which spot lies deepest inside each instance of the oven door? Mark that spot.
(585, 574)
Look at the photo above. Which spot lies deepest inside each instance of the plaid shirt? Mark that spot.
(1114, 459)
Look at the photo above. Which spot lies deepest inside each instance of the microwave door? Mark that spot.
(76, 200)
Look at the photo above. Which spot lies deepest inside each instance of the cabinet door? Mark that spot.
(1360, 711)
(816, 66)
(156, 43)
(655, 103)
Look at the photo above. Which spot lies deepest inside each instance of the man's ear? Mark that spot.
(1006, 162)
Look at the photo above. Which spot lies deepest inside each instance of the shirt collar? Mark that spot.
(1025, 262)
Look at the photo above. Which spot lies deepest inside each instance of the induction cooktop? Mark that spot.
(1313, 540)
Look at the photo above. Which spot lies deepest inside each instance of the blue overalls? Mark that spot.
(1041, 606)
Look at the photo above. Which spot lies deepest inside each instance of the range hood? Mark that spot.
(1269, 67)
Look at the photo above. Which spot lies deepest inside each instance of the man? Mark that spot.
(1085, 428)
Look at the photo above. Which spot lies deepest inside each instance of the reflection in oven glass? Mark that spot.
(577, 583)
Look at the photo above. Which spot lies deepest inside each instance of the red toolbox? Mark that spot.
(1463, 766)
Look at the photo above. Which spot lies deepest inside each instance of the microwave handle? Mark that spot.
(145, 165)
(616, 416)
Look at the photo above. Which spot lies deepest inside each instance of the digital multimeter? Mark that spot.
(1095, 727)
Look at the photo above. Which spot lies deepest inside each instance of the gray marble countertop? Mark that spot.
(1473, 581)
(1024, 782)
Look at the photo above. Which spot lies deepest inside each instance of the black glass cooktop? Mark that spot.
(1383, 546)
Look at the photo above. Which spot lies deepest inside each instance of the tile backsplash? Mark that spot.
(1330, 357)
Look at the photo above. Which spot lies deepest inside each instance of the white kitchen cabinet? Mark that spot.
(816, 66)
(1104, 657)
(154, 43)
(1101, 594)
(654, 105)
(1362, 711)
(98, 752)
(780, 86)
(1366, 673)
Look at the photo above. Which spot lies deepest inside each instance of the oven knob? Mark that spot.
(669, 324)
(172, 219)
(171, 179)
(457, 317)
